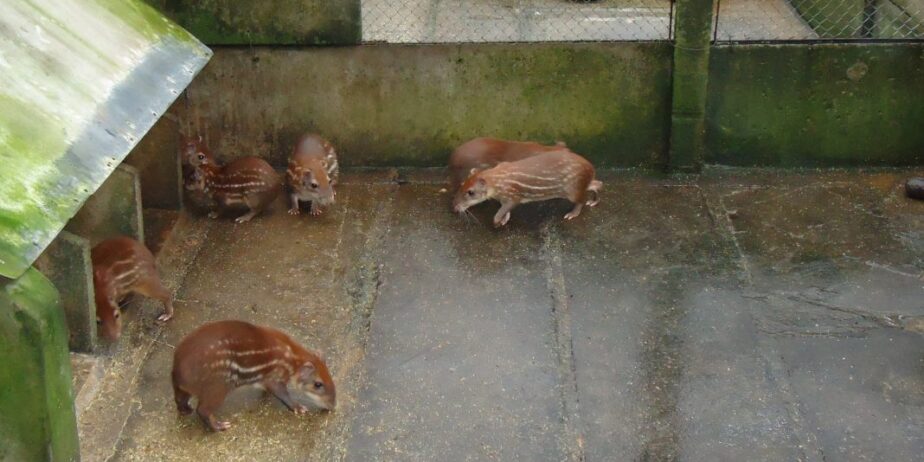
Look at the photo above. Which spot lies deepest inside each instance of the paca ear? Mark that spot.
(306, 372)
(481, 182)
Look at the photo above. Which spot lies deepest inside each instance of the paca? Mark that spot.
(551, 175)
(247, 183)
(121, 266)
(221, 356)
(312, 173)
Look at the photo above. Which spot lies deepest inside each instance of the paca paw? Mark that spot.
(294, 211)
(300, 409)
(316, 212)
(503, 221)
(164, 317)
(243, 218)
(221, 425)
(572, 215)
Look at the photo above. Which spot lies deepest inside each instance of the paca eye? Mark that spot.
(318, 385)
(201, 156)
(314, 185)
(471, 192)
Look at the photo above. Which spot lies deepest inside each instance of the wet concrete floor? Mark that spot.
(737, 315)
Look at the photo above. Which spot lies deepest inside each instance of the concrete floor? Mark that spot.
(738, 315)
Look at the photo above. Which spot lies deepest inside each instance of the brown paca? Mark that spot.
(312, 174)
(221, 356)
(481, 153)
(248, 182)
(121, 266)
(552, 175)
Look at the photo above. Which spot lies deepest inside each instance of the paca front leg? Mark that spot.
(575, 211)
(503, 214)
(209, 403)
(315, 208)
(294, 209)
(280, 391)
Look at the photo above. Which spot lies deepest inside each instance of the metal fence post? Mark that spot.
(694, 19)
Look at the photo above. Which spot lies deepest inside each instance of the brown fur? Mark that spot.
(121, 266)
(482, 153)
(221, 356)
(551, 175)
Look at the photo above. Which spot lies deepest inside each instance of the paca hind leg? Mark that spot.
(593, 193)
(153, 288)
(182, 400)
(254, 206)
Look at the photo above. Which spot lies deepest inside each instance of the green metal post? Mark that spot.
(694, 19)
(37, 419)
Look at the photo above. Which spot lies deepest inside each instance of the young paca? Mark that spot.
(312, 173)
(248, 182)
(121, 266)
(552, 175)
(221, 356)
(481, 153)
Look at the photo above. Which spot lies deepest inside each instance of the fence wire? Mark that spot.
(789, 20)
(456, 21)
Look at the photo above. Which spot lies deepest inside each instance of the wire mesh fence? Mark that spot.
(790, 20)
(455, 21)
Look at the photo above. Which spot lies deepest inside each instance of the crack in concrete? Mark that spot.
(363, 289)
(777, 373)
(573, 437)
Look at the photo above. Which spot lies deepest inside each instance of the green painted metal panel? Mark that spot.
(81, 81)
(37, 421)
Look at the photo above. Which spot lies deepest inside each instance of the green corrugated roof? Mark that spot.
(81, 81)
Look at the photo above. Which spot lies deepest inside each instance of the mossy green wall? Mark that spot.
(277, 22)
(384, 105)
(816, 105)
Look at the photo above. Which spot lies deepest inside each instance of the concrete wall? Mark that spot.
(411, 105)
(816, 105)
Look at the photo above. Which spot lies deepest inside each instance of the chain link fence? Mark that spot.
(458, 21)
(798, 20)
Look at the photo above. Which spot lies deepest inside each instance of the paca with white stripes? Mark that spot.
(312, 173)
(121, 266)
(478, 154)
(221, 356)
(551, 175)
(248, 183)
